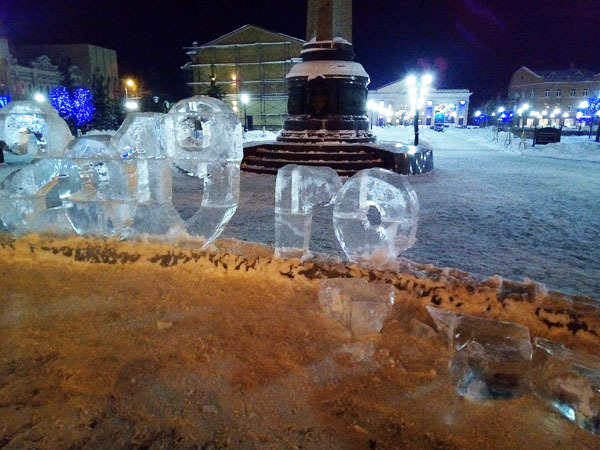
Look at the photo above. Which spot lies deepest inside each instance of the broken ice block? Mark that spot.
(491, 358)
(140, 140)
(569, 381)
(297, 190)
(376, 214)
(357, 304)
(33, 128)
(204, 138)
(98, 187)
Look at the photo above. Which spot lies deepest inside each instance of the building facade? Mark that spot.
(550, 90)
(249, 63)
(91, 60)
(391, 105)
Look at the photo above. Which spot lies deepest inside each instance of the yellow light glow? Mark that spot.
(234, 77)
(130, 82)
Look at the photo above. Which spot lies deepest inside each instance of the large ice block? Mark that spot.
(357, 304)
(569, 381)
(375, 216)
(491, 358)
(140, 139)
(33, 128)
(204, 138)
(98, 187)
(297, 190)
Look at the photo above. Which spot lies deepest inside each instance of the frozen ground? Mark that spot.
(487, 209)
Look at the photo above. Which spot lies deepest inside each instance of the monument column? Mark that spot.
(327, 91)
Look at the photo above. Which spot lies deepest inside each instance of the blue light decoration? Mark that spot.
(4, 100)
(76, 105)
(589, 112)
(507, 116)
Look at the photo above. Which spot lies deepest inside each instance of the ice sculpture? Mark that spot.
(357, 304)
(376, 214)
(34, 129)
(140, 139)
(98, 187)
(491, 358)
(569, 381)
(204, 138)
(297, 190)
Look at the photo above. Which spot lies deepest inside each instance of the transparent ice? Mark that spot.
(34, 129)
(140, 140)
(357, 304)
(98, 187)
(569, 381)
(491, 358)
(376, 214)
(204, 138)
(297, 190)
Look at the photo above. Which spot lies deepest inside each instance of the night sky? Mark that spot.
(470, 44)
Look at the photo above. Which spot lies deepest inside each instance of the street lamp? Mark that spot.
(39, 97)
(417, 92)
(245, 100)
(129, 83)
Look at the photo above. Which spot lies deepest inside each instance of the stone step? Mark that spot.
(312, 156)
(344, 165)
(309, 148)
(273, 170)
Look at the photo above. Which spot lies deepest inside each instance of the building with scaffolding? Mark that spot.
(248, 67)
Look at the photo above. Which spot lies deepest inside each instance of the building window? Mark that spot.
(570, 108)
(532, 94)
(584, 93)
(547, 93)
(558, 93)
(573, 93)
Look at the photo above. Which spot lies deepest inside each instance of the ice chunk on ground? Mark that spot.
(33, 128)
(491, 358)
(360, 306)
(98, 187)
(297, 190)
(569, 381)
(140, 139)
(204, 138)
(376, 214)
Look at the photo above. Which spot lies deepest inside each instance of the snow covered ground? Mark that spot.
(487, 209)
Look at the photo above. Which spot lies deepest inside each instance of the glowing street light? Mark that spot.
(417, 92)
(477, 113)
(525, 106)
(131, 105)
(129, 83)
(584, 104)
(39, 97)
(501, 110)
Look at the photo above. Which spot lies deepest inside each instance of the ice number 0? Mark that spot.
(375, 215)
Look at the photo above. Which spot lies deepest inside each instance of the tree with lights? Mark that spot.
(591, 108)
(75, 106)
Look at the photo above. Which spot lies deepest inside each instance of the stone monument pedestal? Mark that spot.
(327, 123)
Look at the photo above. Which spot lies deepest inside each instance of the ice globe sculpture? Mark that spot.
(204, 138)
(376, 214)
(140, 140)
(297, 190)
(98, 187)
(33, 128)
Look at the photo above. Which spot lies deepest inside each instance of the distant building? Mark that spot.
(391, 104)
(21, 82)
(252, 61)
(93, 61)
(547, 90)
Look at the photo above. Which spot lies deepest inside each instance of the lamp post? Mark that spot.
(417, 92)
(128, 83)
(245, 99)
